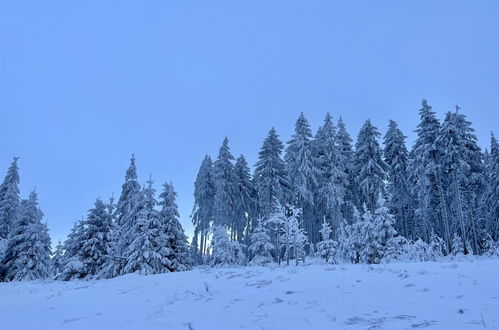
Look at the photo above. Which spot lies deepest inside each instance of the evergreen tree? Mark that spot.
(431, 209)
(331, 179)
(72, 265)
(58, 258)
(194, 253)
(302, 174)
(457, 245)
(126, 213)
(261, 248)
(204, 197)
(27, 256)
(9, 201)
(96, 240)
(148, 250)
(244, 203)
(384, 231)
(490, 199)
(327, 247)
(397, 159)
(224, 251)
(345, 165)
(173, 231)
(370, 168)
(270, 176)
(225, 186)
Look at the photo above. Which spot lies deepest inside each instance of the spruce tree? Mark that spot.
(345, 165)
(244, 203)
(225, 186)
(9, 201)
(490, 199)
(331, 178)
(302, 174)
(97, 240)
(261, 248)
(72, 266)
(27, 256)
(370, 168)
(204, 197)
(397, 159)
(174, 233)
(58, 259)
(271, 182)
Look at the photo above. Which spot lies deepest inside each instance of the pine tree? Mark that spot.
(397, 159)
(431, 209)
(97, 240)
(490, 199)
(224, 251)
(225, 186)
(58, 258)
(331, 179)
(194, 253)
(148, 251)
(72, 265)
(302, 174)
(385, 232)
(9, 201)
(327, 247)
(244, 203)
(271, 182)
(204, 197)
(173, 231)
(457, 245)
(345, 165)
(261, 248)
(27, 256)
(370, 168)
(126, 213)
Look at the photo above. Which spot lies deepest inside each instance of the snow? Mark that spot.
(453, 294)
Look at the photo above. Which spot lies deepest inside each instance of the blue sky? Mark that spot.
(84, 84)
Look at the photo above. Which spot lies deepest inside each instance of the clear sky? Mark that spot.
(84, 84)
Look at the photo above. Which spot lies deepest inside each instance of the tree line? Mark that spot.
(439, 195)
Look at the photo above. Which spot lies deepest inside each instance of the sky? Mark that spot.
(84, 84)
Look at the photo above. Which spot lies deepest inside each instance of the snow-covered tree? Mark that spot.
(384, 231)
(457, 246)
(224, 251)
(327, 247)
(290, 232)
(9, 201)
(126, 213)
(244, 203)
(345, 165)
(302, 174)
(431, 209)
(96, 240)
(331, 178)
(271, 183)
(27, 255)
(225, 186)
(147, 252)
(172, 230)
(261, 248)
(397, 159)
(490, 201)
(204, 197)
(194, 253)
(72, 266)
(58, 258)
(370, 168)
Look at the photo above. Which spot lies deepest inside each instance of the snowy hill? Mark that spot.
(437, 295)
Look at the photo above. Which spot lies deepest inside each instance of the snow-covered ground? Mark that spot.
(437, 295)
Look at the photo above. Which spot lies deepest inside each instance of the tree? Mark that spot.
(224, 251)
(225, 186)
(331, 178)
(96, 240)
(345, 165)
(204, 198)
(431, 209)
(9, 200)
(271, 182)
(302, 174)
(148, 250)
(385, 232)
(58, 258)
(72, 265)
(27, 256)
(244, 203)
(174, 233)
(261, 248)
(327, 247)
(370, 168)
(490, 201)
(126, 213)
(397, 159)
